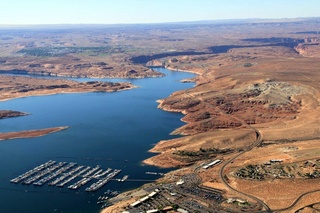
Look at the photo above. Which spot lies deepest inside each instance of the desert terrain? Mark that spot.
(255, 108)
(253, 113)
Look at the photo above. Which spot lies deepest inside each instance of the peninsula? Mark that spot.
(30, 133)
(22, 86)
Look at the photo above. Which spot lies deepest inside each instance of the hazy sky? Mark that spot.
(149, 11)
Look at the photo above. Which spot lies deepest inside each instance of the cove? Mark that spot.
(113, 130)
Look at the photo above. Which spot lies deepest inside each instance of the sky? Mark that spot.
(21, 12)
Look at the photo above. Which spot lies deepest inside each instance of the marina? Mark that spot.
(111, 133)
(64, 173)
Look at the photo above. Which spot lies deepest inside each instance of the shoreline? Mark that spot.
(45, 92)
(24, 86)
(24, 71)
(149, 161)
(175, 69)
(5, 114)
(31, 133)
(62, 92)
(179, 70)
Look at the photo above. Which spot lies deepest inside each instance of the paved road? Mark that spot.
(256, 143)
(221, 172)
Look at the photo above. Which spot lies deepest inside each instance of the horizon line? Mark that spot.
(173, 22)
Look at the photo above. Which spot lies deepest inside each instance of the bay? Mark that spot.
(113, 130)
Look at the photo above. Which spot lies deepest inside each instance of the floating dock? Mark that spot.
(65, 175)
(72, 177)
(32, 171)
(62, 173)
(124, 178)
(97, 185)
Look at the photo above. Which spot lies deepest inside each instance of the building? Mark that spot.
(213, 163)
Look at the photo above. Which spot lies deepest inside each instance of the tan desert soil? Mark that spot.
(19, 86)
(276, 193)
(266, 97)
(222, 139)
(255, 88)
(30, 133)
(76, 66)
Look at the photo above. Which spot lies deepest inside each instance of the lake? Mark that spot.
(113, 130)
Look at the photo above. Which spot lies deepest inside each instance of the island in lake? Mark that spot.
(24, 134)
(250, 142)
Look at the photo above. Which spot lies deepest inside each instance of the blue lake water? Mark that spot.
(113, 130)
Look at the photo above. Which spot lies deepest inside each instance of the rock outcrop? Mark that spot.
(311, 49)
(10, 114)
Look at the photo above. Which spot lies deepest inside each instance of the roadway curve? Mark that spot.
(296, 201)
(256, 143)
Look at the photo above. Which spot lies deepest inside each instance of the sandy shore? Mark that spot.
(181, 70)
(30, 133)
(20, 87)
(57, 92)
